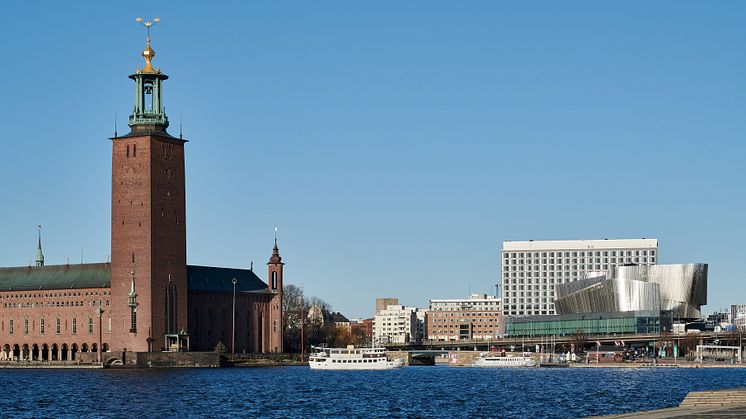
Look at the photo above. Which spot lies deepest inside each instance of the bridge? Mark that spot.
(431, 348)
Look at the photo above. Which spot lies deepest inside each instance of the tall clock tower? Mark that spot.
(148, 236)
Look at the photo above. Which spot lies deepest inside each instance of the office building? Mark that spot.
(477, 317)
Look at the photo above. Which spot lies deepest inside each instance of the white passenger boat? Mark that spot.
(352, 358)
(496, 360)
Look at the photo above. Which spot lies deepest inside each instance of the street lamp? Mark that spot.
(233, 334)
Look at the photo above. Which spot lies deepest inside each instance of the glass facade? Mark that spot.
(635, 322)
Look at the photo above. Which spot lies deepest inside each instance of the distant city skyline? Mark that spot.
(395, 146)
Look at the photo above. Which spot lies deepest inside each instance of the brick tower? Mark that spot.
(148, 236)
(274, 281)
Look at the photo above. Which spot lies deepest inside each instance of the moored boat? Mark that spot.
(352, 358)
(495, 360)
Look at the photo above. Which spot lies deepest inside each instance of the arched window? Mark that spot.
(274, 280)
(170, 307)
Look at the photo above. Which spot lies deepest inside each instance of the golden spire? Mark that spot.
(148, 52)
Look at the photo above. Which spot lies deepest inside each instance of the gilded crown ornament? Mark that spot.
(148, 52)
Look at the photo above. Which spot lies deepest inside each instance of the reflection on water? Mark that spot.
(300, 392)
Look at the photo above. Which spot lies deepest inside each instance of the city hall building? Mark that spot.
(147, 299)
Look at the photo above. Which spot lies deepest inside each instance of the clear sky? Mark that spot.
(394, 144)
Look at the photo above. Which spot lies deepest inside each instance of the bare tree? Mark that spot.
(579, 339)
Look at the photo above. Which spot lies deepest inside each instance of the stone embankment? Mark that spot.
(698, 404)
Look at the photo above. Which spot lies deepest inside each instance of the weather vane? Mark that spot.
(148, 23)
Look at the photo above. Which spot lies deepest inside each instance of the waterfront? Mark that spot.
(300, 392)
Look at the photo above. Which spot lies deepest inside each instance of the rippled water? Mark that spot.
(299, 392)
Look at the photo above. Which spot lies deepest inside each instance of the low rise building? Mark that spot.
(396, 324)
(480, 316)
(362, 329)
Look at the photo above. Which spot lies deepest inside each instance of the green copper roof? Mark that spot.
(98, 275)
(89, 275)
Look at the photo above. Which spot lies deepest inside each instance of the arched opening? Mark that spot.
(260, 332)
(147, 96)
(45, 352)
(55, 356)
(74, 352)
(5, 352)
(25, 351)
(35, 352)
(170, 307)
(113, 361)
(94, 348)
(16, 352)
(104, 347)
(84, 348)
(65, 349)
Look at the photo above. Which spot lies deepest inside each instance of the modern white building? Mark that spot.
(397, 324)
(531, 269)
(480, 316)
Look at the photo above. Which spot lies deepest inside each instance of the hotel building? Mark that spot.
(530, 270)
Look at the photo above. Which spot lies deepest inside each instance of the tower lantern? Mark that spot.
(149, 113)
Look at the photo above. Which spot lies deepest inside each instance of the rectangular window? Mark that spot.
(58, 326)
(41, 326)
(75, 325)
(10, 326)
(133, 320)
(90, 325)
(25, 326)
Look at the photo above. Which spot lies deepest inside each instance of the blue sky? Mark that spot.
(395, 144)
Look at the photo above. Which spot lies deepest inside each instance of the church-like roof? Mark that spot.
(208, 278)
(88, 275)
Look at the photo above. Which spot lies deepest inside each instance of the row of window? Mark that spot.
(42, 326)
(526, 255)
(52, 304)
(582, 265)
(53, 295)
(355, 361)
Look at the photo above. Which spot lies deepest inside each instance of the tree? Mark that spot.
(220, 348)
(579, 339)
(311, 315)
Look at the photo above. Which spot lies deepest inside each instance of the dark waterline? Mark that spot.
(300, 392)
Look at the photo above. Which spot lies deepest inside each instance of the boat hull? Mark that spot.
(381, 365)
(505, 362)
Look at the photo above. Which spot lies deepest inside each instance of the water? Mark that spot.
(441, 392)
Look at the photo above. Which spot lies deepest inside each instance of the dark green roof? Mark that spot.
(98, 275)
(208, 278)
(89, 275)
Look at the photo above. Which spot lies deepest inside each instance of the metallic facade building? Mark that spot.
(530, 270)
(680, 289)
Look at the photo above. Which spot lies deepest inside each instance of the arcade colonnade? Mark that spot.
(47, 353)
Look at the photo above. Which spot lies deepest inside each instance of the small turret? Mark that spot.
(39, 254)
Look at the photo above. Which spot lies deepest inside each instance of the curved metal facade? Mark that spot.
(680, 288)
